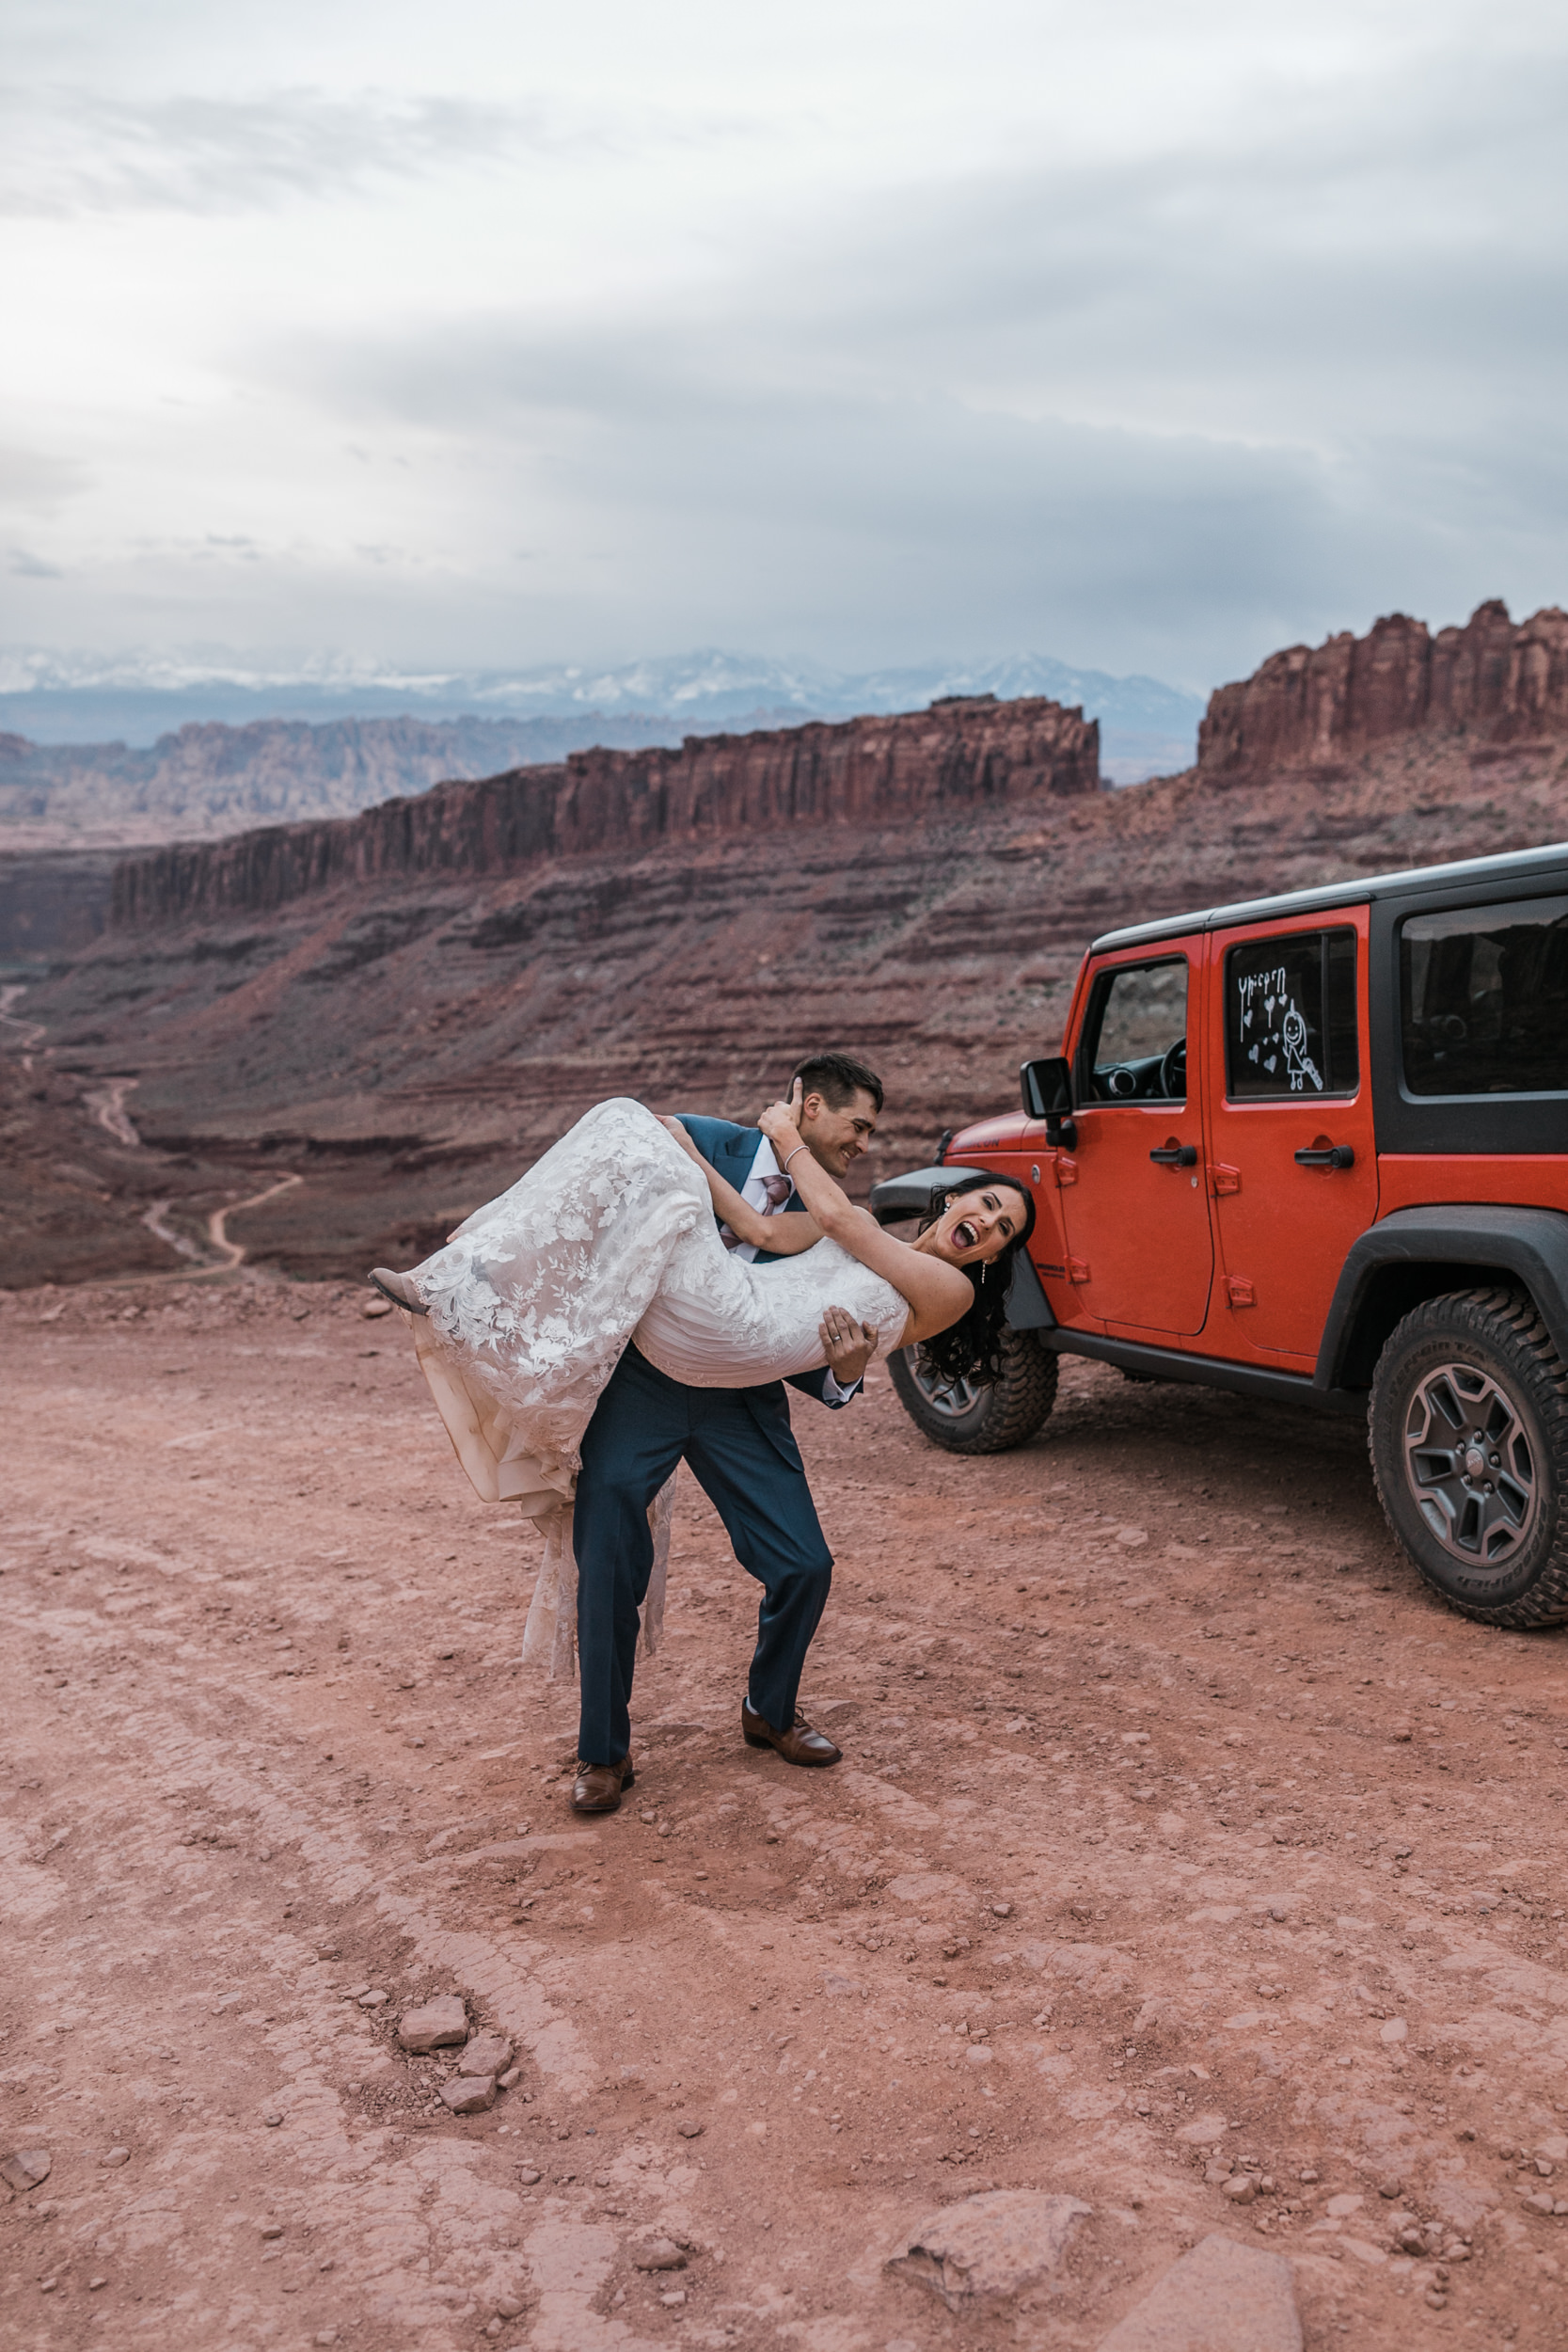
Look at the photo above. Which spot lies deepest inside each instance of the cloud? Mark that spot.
(1160, 416)
(1148, 377)
(39, 481)
(28, 566)
(69, 153)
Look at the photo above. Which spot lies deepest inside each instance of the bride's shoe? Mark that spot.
(399, 1288)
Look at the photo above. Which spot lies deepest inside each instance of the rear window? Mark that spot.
(1290, 1017)
(1483, 999)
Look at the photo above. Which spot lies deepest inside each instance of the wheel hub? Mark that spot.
(1468, 1460)
(953, 1399)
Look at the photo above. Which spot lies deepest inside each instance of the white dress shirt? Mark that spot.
(755, 1193)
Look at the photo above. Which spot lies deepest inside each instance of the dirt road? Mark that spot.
(1186, 1859)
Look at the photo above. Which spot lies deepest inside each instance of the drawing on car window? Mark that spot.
(1298, 1061)
(1274, 1032)
(1290, 1017)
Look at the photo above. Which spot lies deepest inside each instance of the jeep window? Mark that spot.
(1483, 999)
(1290, 1017)
(1135, 1040)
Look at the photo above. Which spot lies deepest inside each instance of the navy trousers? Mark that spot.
(744, 1457)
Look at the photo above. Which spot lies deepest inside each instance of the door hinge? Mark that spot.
(1078, 1269)
(1067, 1171)
(1224, 1180)
(1240, 1291)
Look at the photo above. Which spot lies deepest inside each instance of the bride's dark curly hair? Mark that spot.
(971, 1349)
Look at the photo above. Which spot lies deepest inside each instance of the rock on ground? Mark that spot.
(437, 2025)
(991, 2245)
(25, 2169)
(661, 2253)
(1221, 2298)
(487, 2054)
(469, 2094)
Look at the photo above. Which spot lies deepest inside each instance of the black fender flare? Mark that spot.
(1530, 1244)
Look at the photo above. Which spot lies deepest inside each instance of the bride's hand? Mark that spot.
(781, 1121)
(684, 1140)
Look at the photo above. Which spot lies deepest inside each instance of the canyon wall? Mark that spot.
(209, 779)
(406, 1044)
(1493, 690)
(969, 752)
(54, 903)
(1318, 708)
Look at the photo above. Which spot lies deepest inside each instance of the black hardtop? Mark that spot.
(1533, 867)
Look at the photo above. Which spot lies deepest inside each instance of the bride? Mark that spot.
(612, 1238)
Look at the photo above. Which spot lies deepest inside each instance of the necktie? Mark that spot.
(778, 1189)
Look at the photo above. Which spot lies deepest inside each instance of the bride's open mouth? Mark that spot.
(964, 1233)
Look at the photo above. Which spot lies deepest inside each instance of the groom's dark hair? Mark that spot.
(837, 1077)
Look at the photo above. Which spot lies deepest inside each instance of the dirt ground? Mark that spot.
(1182, 1841)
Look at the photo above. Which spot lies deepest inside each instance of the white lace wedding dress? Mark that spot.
(609, 1239)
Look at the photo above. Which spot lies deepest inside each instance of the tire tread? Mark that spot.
(1019, 1403)
(1545, 1375)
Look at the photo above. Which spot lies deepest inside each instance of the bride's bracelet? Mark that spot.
(794, 1155)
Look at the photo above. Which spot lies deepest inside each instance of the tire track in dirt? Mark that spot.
(106, 1103)
(232, 1254)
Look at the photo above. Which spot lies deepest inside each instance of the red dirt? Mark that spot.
(1167, 1786)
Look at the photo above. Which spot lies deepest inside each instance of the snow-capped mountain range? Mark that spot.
(53, 698)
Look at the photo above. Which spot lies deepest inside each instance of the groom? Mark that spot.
(743, 1455)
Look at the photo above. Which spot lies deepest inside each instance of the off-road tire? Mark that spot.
(1497, 1337)
(983, 1420)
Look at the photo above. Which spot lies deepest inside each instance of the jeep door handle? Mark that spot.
(1179, 1155)
(1332, 1155)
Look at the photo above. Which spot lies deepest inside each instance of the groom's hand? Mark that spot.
(849, 1345)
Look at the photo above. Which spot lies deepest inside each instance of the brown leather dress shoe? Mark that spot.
(800, 1744)
(598, 1786)
(399, 1288)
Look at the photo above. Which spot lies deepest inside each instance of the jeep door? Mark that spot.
(1134, 1206)
(1292, 1158)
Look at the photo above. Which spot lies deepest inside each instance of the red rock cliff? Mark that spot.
(1318, 710)
(868, 771)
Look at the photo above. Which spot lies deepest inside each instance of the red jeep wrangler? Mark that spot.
(1315, 1148)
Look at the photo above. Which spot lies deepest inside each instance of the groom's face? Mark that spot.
(836, 1136)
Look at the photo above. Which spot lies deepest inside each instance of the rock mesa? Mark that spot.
(1318, 710)
(870, 771)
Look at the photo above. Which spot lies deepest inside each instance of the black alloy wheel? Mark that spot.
(1468, 1434)
(963, 1415)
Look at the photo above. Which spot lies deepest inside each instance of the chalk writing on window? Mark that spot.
(1272, 1031)
(1291, 1022)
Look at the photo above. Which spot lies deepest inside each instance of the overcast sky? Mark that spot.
(1151, 335)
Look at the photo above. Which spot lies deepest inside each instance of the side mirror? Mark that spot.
(1047, 1090)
